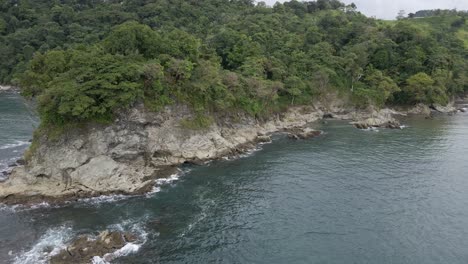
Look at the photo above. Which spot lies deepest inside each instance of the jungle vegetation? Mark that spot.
(83, 60)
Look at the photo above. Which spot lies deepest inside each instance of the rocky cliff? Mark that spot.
(140, 147)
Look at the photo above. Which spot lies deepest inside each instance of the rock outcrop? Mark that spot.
(419, 109)
(382, 119)
(83, 249)
(127, 156)
(303, 133)
(450, 108)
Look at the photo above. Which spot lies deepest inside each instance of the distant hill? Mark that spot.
(437, 12)
(444, 20)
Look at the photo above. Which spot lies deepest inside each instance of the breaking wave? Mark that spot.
(18, 143)
(56, 239)
(48, 245)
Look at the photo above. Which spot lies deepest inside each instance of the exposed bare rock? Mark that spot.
(444, 109)
(128, 156)
(420, 109)
(303, 133)
(123, 158)
(383, 119)
(263, 139)
(84, 248)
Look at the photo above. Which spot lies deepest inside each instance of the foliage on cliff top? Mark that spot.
(84, 60)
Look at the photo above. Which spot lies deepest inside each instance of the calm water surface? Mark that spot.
(16, 126)
(349, 196)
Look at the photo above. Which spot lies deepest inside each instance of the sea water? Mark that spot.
(348, 196)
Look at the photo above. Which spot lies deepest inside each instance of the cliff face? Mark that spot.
(140, 147)
(127, 156)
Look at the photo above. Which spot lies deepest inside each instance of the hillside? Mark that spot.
(85, 60)
(451, 22)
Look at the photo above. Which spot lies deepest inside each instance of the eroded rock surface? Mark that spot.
(83, 249)
(450, 108)
(127, 156)
(303, 133)
(382, 119)
(140, 146)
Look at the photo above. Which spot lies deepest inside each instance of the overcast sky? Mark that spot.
(388, 9)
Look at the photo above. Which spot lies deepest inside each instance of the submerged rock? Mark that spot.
(84, 248)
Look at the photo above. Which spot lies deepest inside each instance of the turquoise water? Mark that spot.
(349, 196)
(16, 126)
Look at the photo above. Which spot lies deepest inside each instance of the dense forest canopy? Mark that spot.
(437, 12)
(85, 59)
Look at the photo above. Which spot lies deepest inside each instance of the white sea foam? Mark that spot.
(128, 249)
(20, 207)
(372, 129)
(54, 239)
(170, 179)
(130, 225)
(251, 151)
(98, 260)
(133, 226)
(18, 143)
(6, 208)
(40, 205)
(105, 199)
(155, 190)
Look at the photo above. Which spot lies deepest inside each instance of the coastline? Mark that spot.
(129, 156)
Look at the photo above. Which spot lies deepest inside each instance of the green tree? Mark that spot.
(418, 87)
(132, 38)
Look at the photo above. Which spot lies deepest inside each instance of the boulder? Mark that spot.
(444, 109)
(393, 125)
(360, 125)
(263, 139)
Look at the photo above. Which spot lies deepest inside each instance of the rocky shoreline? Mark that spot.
(129, 156)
